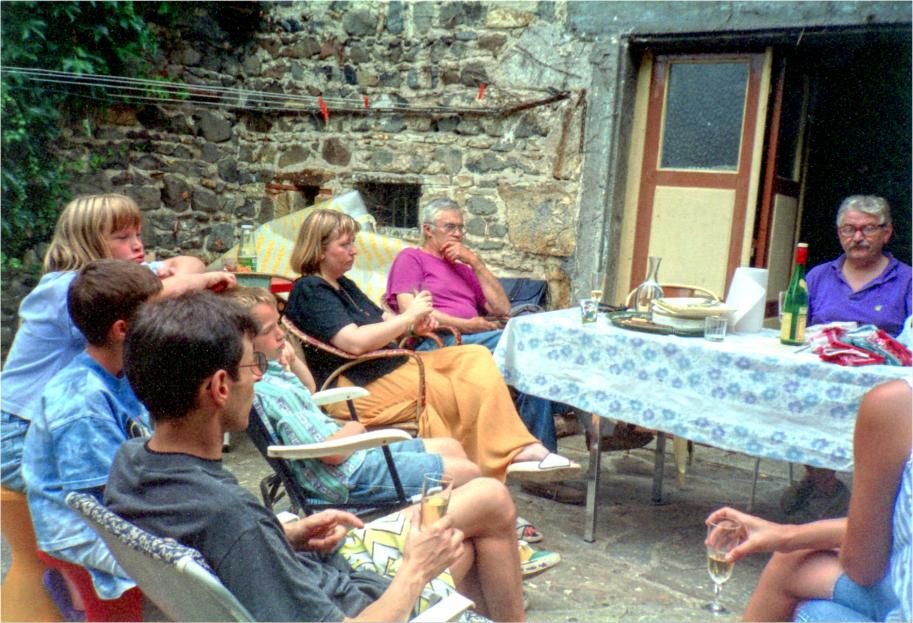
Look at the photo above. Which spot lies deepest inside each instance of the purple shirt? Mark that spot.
(455, 288)
(883, 302)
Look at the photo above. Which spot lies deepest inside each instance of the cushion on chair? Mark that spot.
(161, 548)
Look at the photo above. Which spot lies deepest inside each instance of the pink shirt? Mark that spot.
(455, 288)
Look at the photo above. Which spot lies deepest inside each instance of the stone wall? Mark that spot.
(542, 187)
(198, 172)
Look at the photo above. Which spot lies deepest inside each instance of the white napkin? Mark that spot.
(748, 295)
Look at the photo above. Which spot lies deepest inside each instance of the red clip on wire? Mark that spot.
(323, 109)
(482, 91)
(366, 102)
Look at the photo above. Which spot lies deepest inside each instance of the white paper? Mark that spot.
(748, 295)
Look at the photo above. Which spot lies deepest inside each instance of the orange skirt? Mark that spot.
(467, 399)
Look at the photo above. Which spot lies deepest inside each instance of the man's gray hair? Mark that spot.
(433, 208)
(867, 204)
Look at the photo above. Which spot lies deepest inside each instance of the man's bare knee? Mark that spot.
(462, 470)
(496, 499)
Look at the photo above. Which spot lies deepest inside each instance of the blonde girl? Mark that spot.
(89, 228)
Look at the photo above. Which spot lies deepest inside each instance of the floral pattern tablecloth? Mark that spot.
(748, 393)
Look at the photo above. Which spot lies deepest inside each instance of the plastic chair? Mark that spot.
(174, 577)
(180, 581)
(127, 607)
(24, 597)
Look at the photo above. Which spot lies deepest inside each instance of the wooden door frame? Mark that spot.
(652, 175)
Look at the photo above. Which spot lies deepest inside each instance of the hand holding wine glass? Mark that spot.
(722, 537)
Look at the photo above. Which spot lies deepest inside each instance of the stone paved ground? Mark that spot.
(647, 563)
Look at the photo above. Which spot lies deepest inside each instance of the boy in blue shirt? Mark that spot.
(86, 411)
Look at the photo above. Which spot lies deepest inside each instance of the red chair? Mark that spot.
(127, 607)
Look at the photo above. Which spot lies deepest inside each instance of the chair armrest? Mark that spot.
(338, 394)
(342, 445)
(448, 609)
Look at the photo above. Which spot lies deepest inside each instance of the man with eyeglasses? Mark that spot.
(192, 363)
(866, 285)
(466, 295)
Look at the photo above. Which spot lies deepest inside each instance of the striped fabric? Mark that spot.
(274, 241)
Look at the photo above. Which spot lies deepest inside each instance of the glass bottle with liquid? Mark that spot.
(247, 250)
(795, 302)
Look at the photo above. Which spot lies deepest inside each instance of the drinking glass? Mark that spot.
(436, 490)
(588, 309)
(722, 537)
(715, 328)
(781, 303)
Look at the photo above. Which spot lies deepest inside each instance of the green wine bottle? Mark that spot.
(795, 303)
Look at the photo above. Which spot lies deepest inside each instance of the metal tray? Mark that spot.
(623, 320)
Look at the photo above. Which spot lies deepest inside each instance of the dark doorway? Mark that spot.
(860, 135)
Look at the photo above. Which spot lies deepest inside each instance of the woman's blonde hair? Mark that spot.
(320, 228)
(82, 229)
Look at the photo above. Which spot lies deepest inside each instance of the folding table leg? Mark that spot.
(592, 484)
(658, 467)
(754, 483)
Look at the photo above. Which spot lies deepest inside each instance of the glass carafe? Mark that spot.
(649, 290)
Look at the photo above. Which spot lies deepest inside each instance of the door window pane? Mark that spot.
(703, 116)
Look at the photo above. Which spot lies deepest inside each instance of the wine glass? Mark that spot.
(436, 490)
(722, 537)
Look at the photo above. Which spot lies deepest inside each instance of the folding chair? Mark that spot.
(264, 436)
(176, 578)
(309, 344)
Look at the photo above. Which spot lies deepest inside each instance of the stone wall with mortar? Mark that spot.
(198, 172)
(540, 187)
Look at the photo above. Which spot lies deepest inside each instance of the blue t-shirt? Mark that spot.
(85, 414)
(46, 341)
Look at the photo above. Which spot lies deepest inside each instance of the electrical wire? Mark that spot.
(141, 90)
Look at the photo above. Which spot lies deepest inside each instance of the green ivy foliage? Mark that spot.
(79, 37)
(113, 38)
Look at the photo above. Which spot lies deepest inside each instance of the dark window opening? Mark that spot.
(391, 205)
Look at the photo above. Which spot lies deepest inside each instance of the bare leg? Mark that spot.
(456, 463)
(489, 571)
(790, 578)
(445, 446)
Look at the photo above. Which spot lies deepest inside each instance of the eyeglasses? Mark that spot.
(848, 231)
(452, 227)
(261, 363)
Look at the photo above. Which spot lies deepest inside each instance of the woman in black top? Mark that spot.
(467, 398)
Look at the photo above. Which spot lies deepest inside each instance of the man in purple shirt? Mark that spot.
(866, 285)
(469, 297)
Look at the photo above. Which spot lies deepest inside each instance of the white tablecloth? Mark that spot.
(748, 393)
